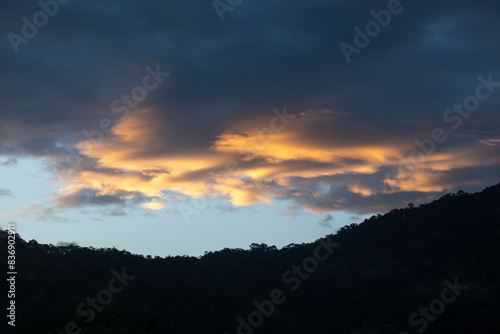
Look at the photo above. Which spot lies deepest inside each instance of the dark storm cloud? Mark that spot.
(264, 54)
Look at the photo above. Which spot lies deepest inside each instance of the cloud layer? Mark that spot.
(217, 126)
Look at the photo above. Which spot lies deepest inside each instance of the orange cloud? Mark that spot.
(153, 205)
(253, 166)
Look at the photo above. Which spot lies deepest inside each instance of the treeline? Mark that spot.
(385, 270)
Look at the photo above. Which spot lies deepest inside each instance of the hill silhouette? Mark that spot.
(433, 269)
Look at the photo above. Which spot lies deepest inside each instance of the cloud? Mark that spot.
(56, 219)
(44, 214)
(5, 214)
(249, 167)
(10, 162)
(203, 131)
(5, 192)
(327, 221)
(153, 205)
(74, 196)
(115, 212)
(35, 208)
(490, 142)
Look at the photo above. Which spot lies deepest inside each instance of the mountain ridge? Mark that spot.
(384, 271)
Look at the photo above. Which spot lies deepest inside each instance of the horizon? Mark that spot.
(12, 227)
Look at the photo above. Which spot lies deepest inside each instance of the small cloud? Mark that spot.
(35, 208)
(292, 211)
(56, 219)
(153, 205)
(225, 208)
(116, 212)
(10, 162)
(5, 192)
(5, 214)
(327, 221)
(490, 142)
(45, 214)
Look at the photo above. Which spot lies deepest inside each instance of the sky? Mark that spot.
(179, 127)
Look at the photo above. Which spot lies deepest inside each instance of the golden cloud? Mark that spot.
(254, 166)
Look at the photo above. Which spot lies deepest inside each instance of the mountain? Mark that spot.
(432, 268)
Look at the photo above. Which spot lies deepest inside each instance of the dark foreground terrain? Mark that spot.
(432, 269)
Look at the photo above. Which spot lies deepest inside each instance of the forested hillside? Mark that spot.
(432, 268)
